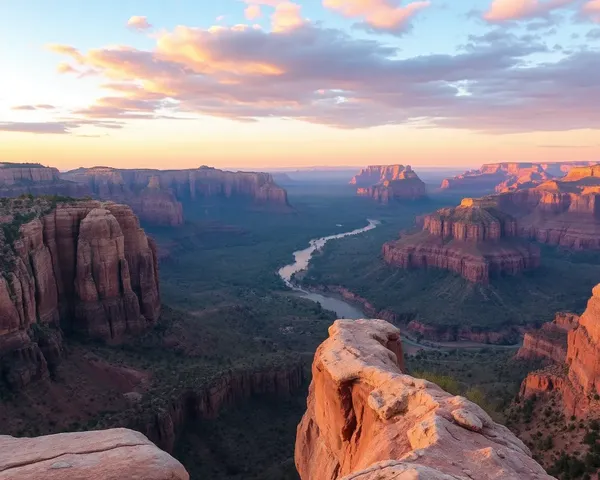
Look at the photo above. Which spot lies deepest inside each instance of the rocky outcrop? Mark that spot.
(550, 341)
(84, 267)
(164, 425)
(101, 455)
(19, 179)
(159, 193)
(505, 177)
(575, 371)
(367, 419)
(475, 240)
(387, 183)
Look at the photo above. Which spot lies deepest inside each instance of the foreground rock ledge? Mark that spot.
(107, 455)
(367, 420)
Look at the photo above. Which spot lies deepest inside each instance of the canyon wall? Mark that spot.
(100, 455)
(164, 425)
(475, 240)
(574, 372)
(35, 179)
(366, 419)
(83, 267)
(387, 183)
(161, 191)
(509, 176)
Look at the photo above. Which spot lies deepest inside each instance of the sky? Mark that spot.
(282, 83)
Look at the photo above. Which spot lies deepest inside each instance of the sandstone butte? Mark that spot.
(505, 177)
(385, 183)
(573, 349)
(100, 455)
(476, 240)
(367, 419)
(157, 194)
(82, 267)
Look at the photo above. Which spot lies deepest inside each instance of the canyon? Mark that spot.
(82, 267)
(571, 346)
(388, 183)
(367, 418)
(505, 177)
(475, 240)
(156, 196)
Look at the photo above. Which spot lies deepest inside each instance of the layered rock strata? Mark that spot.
(504, 177)
(162, 191)
(35, 179)
(84, 267)
(575, 377)
(475, 240)
(550, 341)
(387, 183)
(366, 419)
(103, 455)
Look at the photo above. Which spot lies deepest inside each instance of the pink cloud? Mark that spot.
(378, 14)
(592, 8)
(138, 23)
(507, 10)
(253, 12)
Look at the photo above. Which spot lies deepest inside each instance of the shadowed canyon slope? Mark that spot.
(506, 177)
(102, 455)
(476, 240)
(572, 345)
(32, 178)
(156, 195)
(366, 419)
(385, 183)
(84, 267)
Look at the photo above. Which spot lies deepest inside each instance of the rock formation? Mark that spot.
(85, 267)
(159, 193)
(390, 182)
(100, 455)
(368, 420)
(32, 178)
(505, 177)
(476, 240)
(574, 372)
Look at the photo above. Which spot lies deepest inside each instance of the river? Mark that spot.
(344, 309)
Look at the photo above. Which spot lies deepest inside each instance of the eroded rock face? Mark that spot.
(506, 177)
(550, 341)
(19, 179)
(103, 455)
(156, 194)
(477, 240)
(85, 267)
(389, 182)
(366, 419)
(575, 371)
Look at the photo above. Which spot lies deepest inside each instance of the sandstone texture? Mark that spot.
(390, 182)
(505, 177)
(18, 179)
(103, 455)
(477, 240)
(84, 267)
(575, 371)
(366, 419)
(550, 341)
(157, 194)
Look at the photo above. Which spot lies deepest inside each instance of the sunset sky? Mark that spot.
(277, 83)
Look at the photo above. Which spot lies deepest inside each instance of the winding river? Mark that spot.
(344, 309)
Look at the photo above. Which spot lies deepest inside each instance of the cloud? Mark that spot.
(378, 15)
(36, 127)
(42, 106)
(325, 76)
(507, 10)
(253, 12)
(138, 23)
(592, 10)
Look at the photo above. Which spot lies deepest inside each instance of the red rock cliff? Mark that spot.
(391, 182)
(476, 240)
(85, 267)
(19, 179)
(100, 455)
(368, 420)
(575, 376)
